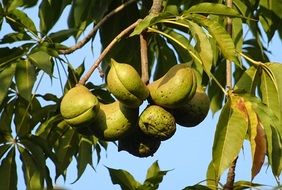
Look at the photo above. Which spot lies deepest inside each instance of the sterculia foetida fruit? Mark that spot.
(114, 121)
(79, 106)
(156, 122)
(176, 87)
(124, 82)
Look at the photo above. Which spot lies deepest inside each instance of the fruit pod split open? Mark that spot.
(124, 82)
(79, 106)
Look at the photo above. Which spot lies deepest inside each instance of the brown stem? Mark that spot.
(81, 43)
(231, 176)
(228, 62)
(144, 58)
(106, 50)
(156, 7)
(231, 172)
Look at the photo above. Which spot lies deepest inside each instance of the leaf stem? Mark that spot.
(106, 50)
(144, 58)
(256, 63)
(81, 43)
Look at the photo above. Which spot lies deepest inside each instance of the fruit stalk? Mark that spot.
(144, 58)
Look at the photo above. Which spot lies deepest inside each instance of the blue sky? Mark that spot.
(187, 154)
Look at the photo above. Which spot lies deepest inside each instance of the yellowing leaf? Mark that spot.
(229, 136)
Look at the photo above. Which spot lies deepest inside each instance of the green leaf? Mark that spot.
(47, 20)
(197, 187)
(61, 35)
(19, 21)
(218, 32)
(43, 61)
(66, 150)
(124, 179)
(6, 118)
(154, 176)
(164, 57)
(15, 37)
(22, 120)
(25, 78)
(82, 14)
(6, 77)
(10, 5)
(248, 81)
(32, 175)
(272, 6)
(8, 171)
(203, 46)
(8, 55)
(212, 8)
(3, 149)
(150, 20)
(239, 185)
(229, 135)
(84, 156)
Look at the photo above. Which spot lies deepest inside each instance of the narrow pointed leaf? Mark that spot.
(212, 8)
(154, 176)
(42, 60)
(8, 171)
(248, 80)
(260, 151)
(229, 136)
(218, 32)
(14, 37)
(124, 179)
(20, 21)
(6, 77)
(84, 156)
(25, 78)
(203, 46)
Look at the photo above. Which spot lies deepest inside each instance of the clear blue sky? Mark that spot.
(188, 152)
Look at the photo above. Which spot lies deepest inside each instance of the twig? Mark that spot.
(231, 172)
(81, 43)
(228, 62)
(230, 176)
(106, 50)
(156, 7)
(144, 58)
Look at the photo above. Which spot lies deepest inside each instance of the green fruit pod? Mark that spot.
(139, 144)
(114, 121)
(156, 122)
(176, 87)
(79, 106)
(124, 82)
(194, 111)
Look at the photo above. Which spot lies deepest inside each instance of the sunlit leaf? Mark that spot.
(20, 21)
(203, 46)
(42, 60)
(25, 78)
(6, 77)
(230, 134)
(212, 8)
(154, 176)
(8, 171)
(124, 179)
(218, 32)
(10, 5)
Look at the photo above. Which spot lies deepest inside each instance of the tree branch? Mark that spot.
(81, 43)
(144, 58)
(106, 50)
(156, 7)
(230, 176)
(231, 172)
